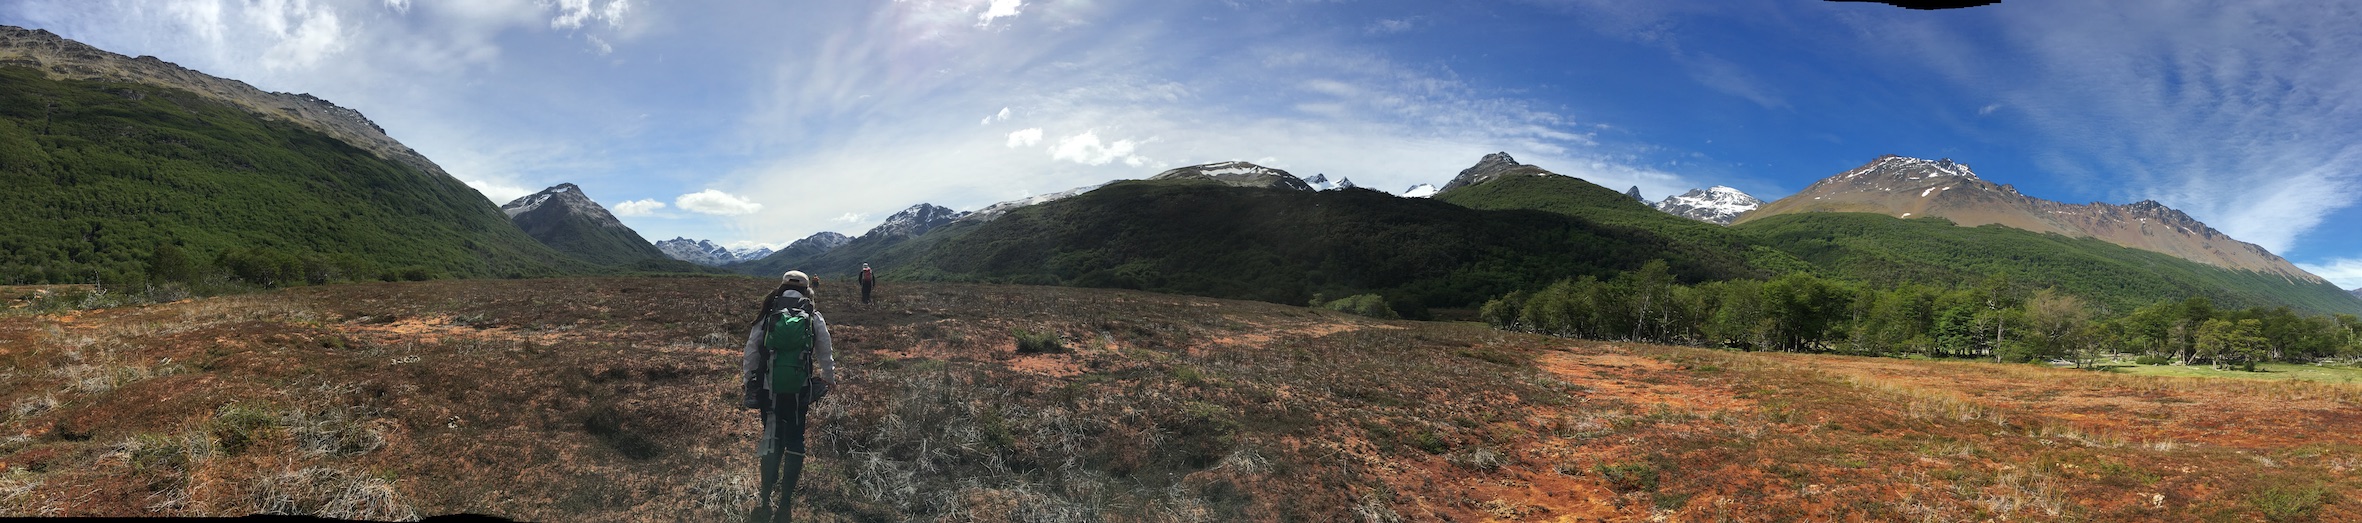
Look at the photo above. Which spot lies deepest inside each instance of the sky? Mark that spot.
(763, 122)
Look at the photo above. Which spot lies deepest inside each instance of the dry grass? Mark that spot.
(613, 400)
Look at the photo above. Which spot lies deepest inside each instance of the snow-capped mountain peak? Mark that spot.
(989, 212)
(710, 254)
(1717, 204)
(1321, 182)
(914, 221)
(1420, 191)
(1236, 173)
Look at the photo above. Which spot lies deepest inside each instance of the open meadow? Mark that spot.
(615, 399)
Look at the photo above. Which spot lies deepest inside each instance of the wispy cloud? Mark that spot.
(998, 9)
(2345, 272)
(1385, 26)
(572, 14)
(2227, 110)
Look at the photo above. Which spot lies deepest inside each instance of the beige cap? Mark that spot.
(795, 278)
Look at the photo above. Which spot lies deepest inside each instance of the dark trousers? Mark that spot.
(782, 454)
(865, 291)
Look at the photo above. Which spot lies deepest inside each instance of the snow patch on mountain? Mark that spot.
(1321, 182)
(568, 197)
(710, 254)
(1235, 173)
(914, 221)
(989, 212)
(1420, 191)
(1717, 204)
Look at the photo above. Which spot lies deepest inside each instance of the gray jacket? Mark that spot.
(824, 359)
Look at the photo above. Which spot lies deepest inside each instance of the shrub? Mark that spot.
(1029, 342)
(1371, 305)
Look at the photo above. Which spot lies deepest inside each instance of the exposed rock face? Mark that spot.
(1912, 187)
(1717, 204)
(1241, 174)
(1492, 166)
(2357, 292)
(1634, 192)
(710, 254)
(60, 58)
(914, 221)
(565, 219)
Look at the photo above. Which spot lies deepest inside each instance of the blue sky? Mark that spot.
(764, 122)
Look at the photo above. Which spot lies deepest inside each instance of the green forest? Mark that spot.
(1997, 318)
(129, 184)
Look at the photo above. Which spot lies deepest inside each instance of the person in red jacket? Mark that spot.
(867, 280)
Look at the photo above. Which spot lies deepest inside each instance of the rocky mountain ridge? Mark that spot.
(996, 210)
(1492, 166)
(913, 221)
(1235, 173)
(1718, 204)
(1907, 187)
(708, 253)
(60, 58)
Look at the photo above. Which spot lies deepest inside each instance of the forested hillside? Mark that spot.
(1886, 252)
(1283, 246)
(120, 182)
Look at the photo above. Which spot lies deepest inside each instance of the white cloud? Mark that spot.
(400, 6)
(1086, 149)
(305, 34)
(716, 202)
(1988, 109)
(2346, 273)
(499, 193)
(851, 218)
(999, 9)
(572, 14)
(1025, 137)
(642, 207)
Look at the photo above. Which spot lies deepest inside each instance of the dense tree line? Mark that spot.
(1996, 319)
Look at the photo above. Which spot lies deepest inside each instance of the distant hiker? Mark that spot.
(867, 280)
(783, 350)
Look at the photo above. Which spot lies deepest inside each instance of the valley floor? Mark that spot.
(614, 399)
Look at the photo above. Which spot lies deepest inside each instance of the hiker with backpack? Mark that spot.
(789, 365)
(867, 280)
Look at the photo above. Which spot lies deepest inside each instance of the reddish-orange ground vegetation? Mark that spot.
(615, 399)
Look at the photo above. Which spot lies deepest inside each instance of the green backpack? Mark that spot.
(788, 337)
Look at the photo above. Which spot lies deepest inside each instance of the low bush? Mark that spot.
(1029, 342)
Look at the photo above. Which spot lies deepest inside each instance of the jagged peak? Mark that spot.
(1905, 166)
(1490, 167)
